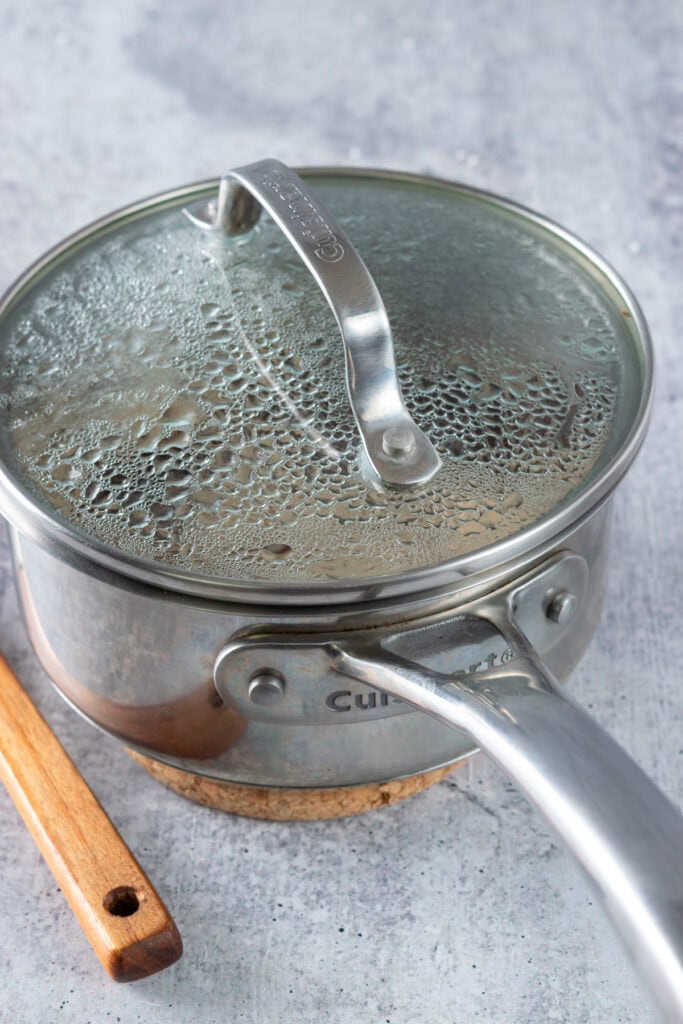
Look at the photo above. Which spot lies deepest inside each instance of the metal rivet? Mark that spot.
(267, 688)
(562, 607)
(397, 442)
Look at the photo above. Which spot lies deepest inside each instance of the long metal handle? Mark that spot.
(396, 448)
(622, 830)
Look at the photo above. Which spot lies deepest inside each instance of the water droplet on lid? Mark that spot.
(66, 472)
(177, 439)
(183, 411)
(276, 552)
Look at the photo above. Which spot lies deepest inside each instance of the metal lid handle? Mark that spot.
(396, 448)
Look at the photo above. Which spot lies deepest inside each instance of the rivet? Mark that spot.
(397, 442)
(562, 607)
(267, 688)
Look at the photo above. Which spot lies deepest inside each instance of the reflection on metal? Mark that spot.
(155, 690)
(463, 643)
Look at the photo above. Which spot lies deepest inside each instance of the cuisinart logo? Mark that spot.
(370, 700)
(314, 229)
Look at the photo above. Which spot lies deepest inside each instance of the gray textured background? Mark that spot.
(456, 907)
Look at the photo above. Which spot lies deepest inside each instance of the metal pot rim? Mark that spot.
(32, 519)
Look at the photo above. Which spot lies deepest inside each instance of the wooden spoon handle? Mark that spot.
(117, 907)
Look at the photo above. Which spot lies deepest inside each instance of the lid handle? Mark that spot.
(395, 446)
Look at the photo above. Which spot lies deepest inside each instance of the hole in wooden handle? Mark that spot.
(121, 901)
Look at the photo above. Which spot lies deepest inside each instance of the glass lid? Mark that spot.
(179, 396)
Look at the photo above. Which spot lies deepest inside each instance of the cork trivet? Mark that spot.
(276, 804)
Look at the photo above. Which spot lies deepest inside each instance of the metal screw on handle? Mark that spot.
(396, 448)
(267, 688)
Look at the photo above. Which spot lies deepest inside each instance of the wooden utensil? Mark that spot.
(116, 905)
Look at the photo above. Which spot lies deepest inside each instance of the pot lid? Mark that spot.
(174, 400)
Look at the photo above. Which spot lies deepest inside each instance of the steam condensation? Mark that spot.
(182, 397)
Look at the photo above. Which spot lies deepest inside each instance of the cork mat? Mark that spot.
(277, 804)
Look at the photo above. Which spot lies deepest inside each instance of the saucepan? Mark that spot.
(257, 568)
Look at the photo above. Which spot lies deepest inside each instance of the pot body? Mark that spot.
(139, 662)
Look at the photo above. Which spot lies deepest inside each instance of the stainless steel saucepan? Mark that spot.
(253, 570)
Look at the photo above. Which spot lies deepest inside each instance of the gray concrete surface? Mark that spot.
(456, 907)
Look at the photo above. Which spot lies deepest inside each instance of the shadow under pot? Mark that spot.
(296, 565)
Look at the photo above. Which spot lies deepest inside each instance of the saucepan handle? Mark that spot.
(622, 830)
